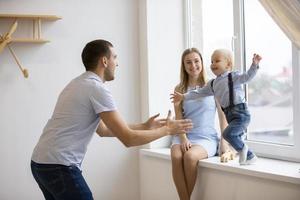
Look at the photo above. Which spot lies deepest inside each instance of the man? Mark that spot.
(83, 105)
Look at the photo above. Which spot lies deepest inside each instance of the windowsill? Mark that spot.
(277, 170)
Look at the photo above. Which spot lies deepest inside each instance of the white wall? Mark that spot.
(156, 180)
(25, 105)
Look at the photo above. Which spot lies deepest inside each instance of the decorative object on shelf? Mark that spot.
(6, 39)
(36, 25)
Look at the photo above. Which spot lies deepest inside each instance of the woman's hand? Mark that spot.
(185, 145)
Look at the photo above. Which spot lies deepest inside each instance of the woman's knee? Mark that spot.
(190, 157)
(195, 154)
(176, 154)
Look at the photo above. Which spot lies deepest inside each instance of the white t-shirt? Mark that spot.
(74, 121)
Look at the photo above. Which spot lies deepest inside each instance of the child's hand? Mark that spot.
(176, 97)
(256, 59)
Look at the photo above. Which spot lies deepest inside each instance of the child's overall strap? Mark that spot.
(230, 85)
(212, 85)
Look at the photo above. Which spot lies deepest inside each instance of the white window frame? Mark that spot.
(188, 23)
(263, 149)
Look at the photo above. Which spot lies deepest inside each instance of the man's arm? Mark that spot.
(103, 131)
(151, 123)
(130, 137)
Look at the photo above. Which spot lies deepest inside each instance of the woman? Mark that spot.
(202, 141)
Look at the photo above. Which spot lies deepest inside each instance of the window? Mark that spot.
(214, 22)
(273, 95)
(271, 92)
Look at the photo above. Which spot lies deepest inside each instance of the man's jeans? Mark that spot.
(238, 118)
(59, 182)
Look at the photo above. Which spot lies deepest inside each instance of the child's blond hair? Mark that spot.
(228, 55)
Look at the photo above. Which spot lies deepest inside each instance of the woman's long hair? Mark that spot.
(184, 77)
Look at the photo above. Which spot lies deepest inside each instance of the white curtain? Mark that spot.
(286, 13)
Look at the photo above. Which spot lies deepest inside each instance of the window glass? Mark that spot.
(270, 94)
(212, 27)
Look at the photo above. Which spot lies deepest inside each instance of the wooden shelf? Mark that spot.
(37, 21)
(26, 40)
(25, 16)
(36, 38)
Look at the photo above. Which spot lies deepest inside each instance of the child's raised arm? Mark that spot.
(251, 72)
(256, 59)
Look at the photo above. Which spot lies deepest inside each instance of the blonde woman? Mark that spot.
(202, 141)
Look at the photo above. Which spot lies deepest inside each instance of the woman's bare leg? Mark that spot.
(178, 172)
(191, 158)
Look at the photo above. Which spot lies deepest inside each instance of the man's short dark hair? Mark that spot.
(93, 51)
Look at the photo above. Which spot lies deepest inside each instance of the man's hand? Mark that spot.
(180, 126)
(256, 59)
(177, 97)
(153, 123)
